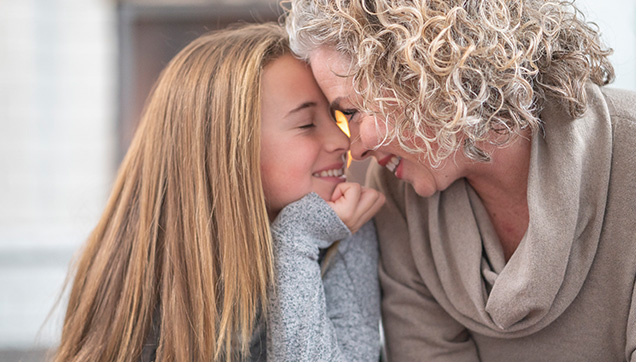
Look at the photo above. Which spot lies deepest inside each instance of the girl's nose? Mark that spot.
(335, 140)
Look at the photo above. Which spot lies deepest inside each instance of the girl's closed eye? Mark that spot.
(307, 125)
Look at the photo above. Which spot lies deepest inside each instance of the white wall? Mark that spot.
(57, 123)
(617, 21)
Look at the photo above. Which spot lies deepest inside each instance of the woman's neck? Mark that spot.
(502, 185)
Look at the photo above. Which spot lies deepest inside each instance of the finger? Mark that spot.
(364, 210)
(368, 197)
(373, 209)
(345, 205)
(349, 190)
(370, 203)
(337, 193)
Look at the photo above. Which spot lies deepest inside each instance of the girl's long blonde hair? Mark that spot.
(185, 234)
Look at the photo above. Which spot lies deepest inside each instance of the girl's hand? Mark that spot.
(355, 204)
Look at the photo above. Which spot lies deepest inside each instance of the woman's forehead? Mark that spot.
(331, 70)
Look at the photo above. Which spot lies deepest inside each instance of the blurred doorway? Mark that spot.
(150, 35)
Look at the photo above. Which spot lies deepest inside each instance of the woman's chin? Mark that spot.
(423, 189)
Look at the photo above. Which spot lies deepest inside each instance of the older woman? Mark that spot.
(509, 232)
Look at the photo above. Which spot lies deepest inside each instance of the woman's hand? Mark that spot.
(355, 204)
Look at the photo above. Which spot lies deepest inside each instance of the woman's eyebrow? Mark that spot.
(335, 105)
(301, 107)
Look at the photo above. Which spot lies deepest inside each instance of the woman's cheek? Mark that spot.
(372, 134)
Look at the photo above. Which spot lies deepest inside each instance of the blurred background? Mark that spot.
(74, 75)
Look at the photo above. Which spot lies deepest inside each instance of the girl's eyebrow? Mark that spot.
(301, 107)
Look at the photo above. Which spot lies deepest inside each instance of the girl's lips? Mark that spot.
(335, 170)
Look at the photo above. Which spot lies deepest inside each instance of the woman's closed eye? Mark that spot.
(307, 125)
(349, 114)
(342, 120)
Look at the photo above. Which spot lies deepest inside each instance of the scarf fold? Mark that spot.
(464, 266)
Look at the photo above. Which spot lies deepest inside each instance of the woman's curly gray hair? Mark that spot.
(457, 69)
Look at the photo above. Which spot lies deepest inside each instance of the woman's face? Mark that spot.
(302, 147)
(328, 66)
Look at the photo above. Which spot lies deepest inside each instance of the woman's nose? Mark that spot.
(358, 150)
(335, 139)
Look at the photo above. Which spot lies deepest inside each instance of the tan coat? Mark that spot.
(567, 293)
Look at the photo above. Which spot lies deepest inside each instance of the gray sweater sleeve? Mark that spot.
(314, 319)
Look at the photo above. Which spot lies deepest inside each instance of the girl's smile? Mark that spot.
(335, 173)
(302, 147)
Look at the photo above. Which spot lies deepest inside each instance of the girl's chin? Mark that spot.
(325, 194)
(326, 189)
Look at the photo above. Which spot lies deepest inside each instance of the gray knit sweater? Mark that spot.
(312, 318)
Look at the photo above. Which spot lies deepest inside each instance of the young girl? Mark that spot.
(211, 243)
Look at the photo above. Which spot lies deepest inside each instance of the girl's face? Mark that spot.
(327, 66)
(302, 148)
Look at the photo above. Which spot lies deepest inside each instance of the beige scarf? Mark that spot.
(567, 192)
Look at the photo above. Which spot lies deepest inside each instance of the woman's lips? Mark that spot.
(392, 163)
